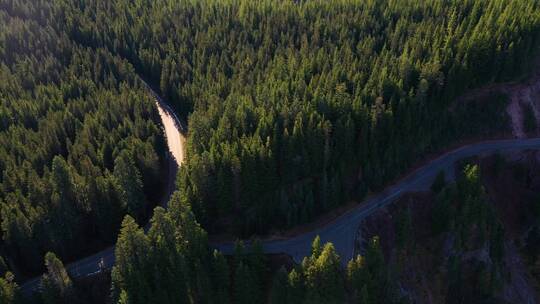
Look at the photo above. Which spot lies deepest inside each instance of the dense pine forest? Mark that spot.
(80, 145)
(172, 262)
(293, 109)
(194, 273)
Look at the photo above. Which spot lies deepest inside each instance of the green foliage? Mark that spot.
(246, 290)
(462, 210)
(357, 275)
(288, 99)
(172, 263)
(320, 279)
(158, 268)
(9, 290)
(220, 278)
(474, 214)
(316, 247)
(324, 281)
(66, 113)
(132, 258)
(131, 188)
(368, 277)
(3, 267)
(56, 285)
(169, 264)
(297, 287)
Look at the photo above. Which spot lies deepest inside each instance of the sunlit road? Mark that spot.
(173, 127)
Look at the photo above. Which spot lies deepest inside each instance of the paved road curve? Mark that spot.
(341, 231)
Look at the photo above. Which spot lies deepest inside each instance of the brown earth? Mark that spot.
(520, 94)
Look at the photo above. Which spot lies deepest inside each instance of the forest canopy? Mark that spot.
(80, 145)
(296, 106)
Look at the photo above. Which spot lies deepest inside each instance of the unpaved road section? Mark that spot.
(175, 130)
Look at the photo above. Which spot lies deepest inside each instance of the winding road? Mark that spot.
(341, 232)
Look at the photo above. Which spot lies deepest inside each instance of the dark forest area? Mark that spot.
(293, 107)
(80, 145)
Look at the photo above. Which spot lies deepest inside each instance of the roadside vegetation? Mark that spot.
(80, 146)
(172, 263)
(529, 119)
(295, 107)
(444, 246)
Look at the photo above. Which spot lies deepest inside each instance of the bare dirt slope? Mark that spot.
(520, 94)
(523, 95)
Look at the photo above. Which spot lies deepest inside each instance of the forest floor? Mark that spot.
(511, 185)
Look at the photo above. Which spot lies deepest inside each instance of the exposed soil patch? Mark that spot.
(521, 95)
(520, 98)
